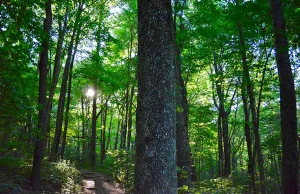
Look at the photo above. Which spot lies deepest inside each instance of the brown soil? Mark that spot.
(98, 183)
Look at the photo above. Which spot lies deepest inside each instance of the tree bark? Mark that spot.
(42, 118)
(155, 164)
(288, 109)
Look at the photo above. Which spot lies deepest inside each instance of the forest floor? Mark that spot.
(98, 183)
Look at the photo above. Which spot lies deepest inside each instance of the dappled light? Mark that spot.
(149, 97)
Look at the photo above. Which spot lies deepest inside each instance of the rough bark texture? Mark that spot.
(288, 110)
(155, 164)
(42, 119)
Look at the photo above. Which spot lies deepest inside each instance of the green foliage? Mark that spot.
(184, 190)
(218, 185)
(65, 174)
(120, 164)
(15, 164)
(15, 173)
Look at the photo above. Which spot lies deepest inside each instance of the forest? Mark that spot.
(149, 96)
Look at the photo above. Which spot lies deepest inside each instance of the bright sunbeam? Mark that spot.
(90, 93)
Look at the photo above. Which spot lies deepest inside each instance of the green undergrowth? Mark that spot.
(65, 174)
(218, 186)
(56, 177)
(119, 164)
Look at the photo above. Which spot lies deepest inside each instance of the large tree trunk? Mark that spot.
(288, 109)
(155, 164)
(42, 119)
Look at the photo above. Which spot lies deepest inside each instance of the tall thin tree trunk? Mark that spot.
(84, 138)
(66, 121)
(62, 96)
(183, 160)
(251, 164)
(103, 150)
(117, 134)
(109, 131)
(247, 81)
(94, 121)
(58, 55)
(125, 124)
(223, 116)
(42, 119)
(130, 118)
(220, 148)
(257, 143)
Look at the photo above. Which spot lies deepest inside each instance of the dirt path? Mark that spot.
(97, 183)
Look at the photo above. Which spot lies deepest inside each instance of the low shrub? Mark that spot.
(119, 164)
